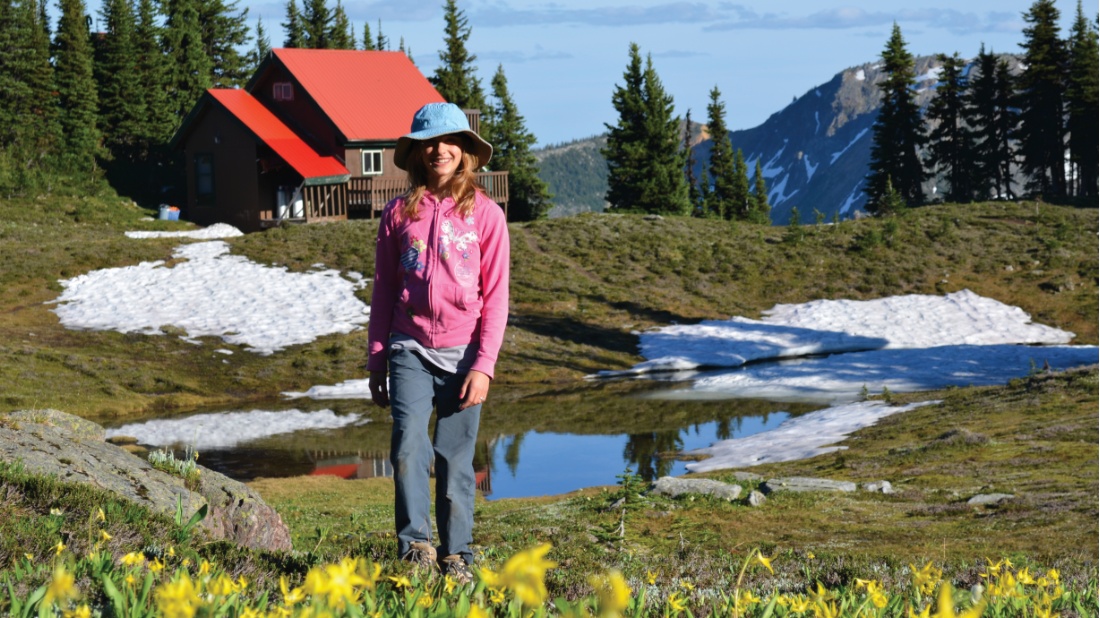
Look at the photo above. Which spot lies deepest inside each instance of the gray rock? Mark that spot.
(73, 450)
(675, 486)
(987, 499)
(879, 487)
(748, 477)
(801, 483)
(756, 498)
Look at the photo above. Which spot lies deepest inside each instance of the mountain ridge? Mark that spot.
(814, 153)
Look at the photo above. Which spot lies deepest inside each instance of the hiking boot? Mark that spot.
(457, 568)
(421, 554)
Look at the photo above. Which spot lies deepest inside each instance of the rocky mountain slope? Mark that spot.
(814, 153)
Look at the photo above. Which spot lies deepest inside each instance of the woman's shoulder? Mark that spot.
(486, 207)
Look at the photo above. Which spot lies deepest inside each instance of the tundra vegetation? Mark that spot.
(581, 287)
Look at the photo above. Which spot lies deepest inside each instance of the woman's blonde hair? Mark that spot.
(464, 185)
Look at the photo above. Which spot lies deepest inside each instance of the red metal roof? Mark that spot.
(368, 95)
(271, 131)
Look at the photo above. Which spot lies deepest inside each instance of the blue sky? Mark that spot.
(564, 57)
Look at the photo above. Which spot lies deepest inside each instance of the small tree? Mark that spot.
(1081, 98)
(455, 78)
(760, 211)
(697, 207)
(529, 197)
(1040, 87)
(723, 173)
(951, 149)
(898, 129)
(340, 34)
(294, 26)
(76, 91)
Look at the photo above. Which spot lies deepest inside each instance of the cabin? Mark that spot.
(309, 139)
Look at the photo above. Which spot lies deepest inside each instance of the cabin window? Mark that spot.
(204, 178)
(372, 162)
(282, 91)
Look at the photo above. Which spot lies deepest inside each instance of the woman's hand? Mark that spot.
(474, 389)
(379, 388)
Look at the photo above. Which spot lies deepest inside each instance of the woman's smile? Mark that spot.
(442, 156)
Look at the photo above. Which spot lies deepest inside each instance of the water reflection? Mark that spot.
(531, 443)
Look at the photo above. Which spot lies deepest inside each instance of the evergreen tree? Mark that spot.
(341, 35)
(982, 114)
(224, 34)
(263, 44)
(1040, 86)
(368, 39)
(76, 90)
(160, 120)
(760, 211)
(951, 150)
(721, 199)
(694, 196)
(664, 189)
(121, 107)
(294, 26)
(189, 67)
(381, 42)
(317, 24)
(1007, 120)
(644, 161)
(455, 77)
(1081, 98)
(625, 151)
(704, 192)
(898, 134)
(528, 195)
(739, 199)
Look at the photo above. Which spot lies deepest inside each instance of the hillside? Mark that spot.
(581, 287)
(814, 153)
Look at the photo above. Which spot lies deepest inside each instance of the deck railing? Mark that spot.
(367, 196)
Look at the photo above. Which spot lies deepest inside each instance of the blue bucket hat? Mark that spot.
(433, 120)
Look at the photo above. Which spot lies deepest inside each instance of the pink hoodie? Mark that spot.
(442, 279)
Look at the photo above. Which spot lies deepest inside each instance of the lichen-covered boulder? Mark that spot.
(54, 443)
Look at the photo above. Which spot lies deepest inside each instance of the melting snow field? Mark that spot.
(825, 351)
(214, 294)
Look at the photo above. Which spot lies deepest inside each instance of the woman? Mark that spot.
(438, 312)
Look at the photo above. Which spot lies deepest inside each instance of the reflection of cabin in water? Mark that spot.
(310, 138)
(377, 465)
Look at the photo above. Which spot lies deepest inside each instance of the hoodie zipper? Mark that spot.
(433, 260)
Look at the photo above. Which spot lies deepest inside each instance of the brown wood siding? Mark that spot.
(236, 199)
(302, 115)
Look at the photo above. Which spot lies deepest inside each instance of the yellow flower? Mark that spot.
(222, 586)
(133, 559)
(130, 580)
(686, 585)
(425, 601)
(810, 555)
(100, 515)
(767, 562)
(925, 613)
(104, 536)
(60, 547)
(496, 596)
(62, 587)
(290, 595)
(156, 565)
(477, 611)
(56, 511)
(798, 604)
(945, 605)
(29, 556)
(370, 572)
(82, 611)
(651, 578)
(449, 584)
(171, 552)
(178, 598)
(926, 578)
(675, 603)
(525, 573)
(613, 591)
(204, 567)
(1024, 576)
(821, 595)
(1053, 575)
(826, 610)
(400, 581)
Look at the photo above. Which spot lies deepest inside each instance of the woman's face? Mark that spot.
(442, 156)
